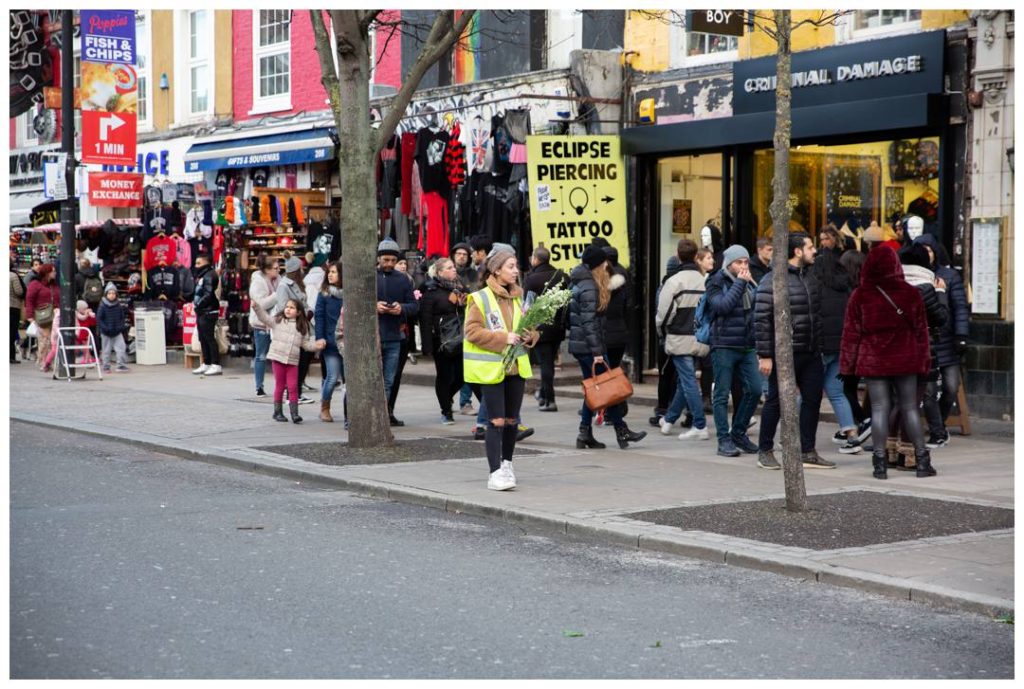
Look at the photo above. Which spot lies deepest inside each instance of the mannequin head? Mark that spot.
(705, 236)
(915, 227)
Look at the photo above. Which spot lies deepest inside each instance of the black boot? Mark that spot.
(625, 436)
(278, 412)
(878, 462)
(924, 464)
(586, 439)
(293, 408)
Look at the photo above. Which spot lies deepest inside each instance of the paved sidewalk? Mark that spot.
(580, 493)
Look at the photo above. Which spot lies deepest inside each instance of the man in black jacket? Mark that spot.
(396, 304)
(207, 312)
(761, 261)
(542, 278)
(806, 324)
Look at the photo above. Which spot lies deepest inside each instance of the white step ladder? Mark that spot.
(63, 350)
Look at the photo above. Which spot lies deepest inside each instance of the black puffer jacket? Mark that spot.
(540, 279)
(836, 288)
(436, 306)
(804, 309)
(957, 325)
(732, 326)
(205, 298)
(586, 325)
(616, 328)
(758, 269)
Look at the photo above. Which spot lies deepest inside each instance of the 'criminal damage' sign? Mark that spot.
(577, 193)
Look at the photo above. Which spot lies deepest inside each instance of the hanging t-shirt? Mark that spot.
(389, 176)
(160, 250)
(431, 146)
(324, 241)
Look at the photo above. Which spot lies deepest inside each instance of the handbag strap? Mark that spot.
(892, 303)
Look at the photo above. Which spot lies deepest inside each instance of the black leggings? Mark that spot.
(850, 391)
(15, 322)
(881, 405)
(937, 410)
(503, 401)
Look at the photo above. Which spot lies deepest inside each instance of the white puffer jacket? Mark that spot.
(285, 338)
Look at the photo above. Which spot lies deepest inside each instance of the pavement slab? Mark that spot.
(564, 490)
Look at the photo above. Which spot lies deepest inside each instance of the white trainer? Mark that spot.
(214, 370)
(506, 466)
(666, 427)
(499, 480)
(695, 434)
(201, 370)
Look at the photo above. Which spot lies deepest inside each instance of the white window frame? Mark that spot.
(183, 65)
(678, 39)
(281, 101)
(846, 31)
(26, 136)
(144, 48)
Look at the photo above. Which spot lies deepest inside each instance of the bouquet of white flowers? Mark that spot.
(538, 312)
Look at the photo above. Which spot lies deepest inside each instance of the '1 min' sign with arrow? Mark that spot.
(577, 193)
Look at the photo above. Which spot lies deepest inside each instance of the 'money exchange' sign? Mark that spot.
(577, 193)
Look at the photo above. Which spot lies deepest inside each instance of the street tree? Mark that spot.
(348, 89)
(779, 26)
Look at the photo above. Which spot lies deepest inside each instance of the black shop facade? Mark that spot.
(873, 137)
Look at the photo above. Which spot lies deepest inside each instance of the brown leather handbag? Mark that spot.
(606, 389)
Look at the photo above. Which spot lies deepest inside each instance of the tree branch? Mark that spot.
(443, 35)
(367, 18)
(324, 49)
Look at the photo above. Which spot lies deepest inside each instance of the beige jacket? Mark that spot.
(17, 293)
(285, 338)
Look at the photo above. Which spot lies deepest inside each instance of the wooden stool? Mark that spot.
(191, 359)
(963, 418)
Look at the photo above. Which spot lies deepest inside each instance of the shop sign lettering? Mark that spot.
(820, 77)
(577, 193)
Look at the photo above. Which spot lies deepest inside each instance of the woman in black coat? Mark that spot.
(442, 310)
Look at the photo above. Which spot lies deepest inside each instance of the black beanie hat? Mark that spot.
(593, 256)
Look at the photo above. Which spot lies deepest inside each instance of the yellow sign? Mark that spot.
(577, 193)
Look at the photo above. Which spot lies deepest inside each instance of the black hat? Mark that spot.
(593, 256)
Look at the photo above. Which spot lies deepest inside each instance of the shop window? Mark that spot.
(691, 196)
(873, 19)
(852, 185)
(860, 25)
(272, 60)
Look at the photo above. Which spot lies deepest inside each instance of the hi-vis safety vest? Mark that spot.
(482, 365)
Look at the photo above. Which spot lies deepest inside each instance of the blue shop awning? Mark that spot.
(305, 146)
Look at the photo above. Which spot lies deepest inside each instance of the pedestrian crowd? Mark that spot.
(887, 315)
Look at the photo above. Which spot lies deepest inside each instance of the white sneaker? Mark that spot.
(499, 480)
(666, 427)
(506, 466)
(695, 434)
(214, 370)
(201, 370)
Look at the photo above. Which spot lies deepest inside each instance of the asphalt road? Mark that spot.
(135, 565)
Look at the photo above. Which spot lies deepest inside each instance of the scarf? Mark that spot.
(451, 285)
(333, 291)
(748, 296)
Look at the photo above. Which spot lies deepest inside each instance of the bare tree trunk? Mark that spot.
(349, 92)
(781, 210)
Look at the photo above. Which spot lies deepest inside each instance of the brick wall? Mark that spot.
(388, 65)
(308, 93)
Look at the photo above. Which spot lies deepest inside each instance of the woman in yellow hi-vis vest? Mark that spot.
(492, 315)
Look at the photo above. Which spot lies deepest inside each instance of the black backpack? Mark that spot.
(92, 290)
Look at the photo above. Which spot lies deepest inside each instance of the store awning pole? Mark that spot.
(67, 206)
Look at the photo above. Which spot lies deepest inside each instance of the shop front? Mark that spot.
(874, 136)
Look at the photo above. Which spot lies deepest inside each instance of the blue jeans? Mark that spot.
(466, 395)
(834, 390)
(687, 391)
(261, 342)
(727, 363)
(332, 362)
(613, 414)
(390, 352)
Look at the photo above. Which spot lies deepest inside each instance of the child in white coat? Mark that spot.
(290, 332)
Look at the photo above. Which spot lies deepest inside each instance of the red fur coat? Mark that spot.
(877, 340)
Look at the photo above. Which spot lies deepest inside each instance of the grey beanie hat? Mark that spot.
(111, 287)
(734, 253)
(292, 264)
(388, 247)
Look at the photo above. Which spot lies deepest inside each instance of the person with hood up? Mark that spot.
(590, 297)
(950, 345)
(110, 319)
(885, 341)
